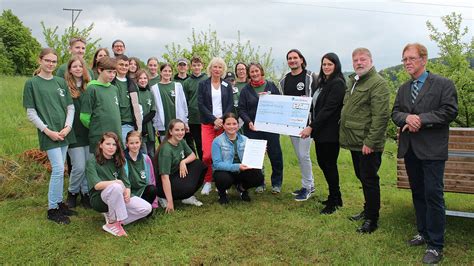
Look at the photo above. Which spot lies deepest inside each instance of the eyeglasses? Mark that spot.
(409, 59)
(50, 61)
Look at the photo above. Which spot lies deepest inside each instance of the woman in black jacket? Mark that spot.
(324, 126)
(247, 109)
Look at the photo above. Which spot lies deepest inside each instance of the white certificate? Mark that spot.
(254, 153)
(282, 114)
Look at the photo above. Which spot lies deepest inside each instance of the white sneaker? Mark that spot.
(206, 189)
(192, 201)
(162, 202)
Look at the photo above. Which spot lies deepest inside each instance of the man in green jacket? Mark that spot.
(364, 119)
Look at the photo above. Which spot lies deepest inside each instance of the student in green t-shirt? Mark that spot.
(152, 66)
(147, 102)
(77, 78)
(139, 169)
(100, 104)
(190, 87)
(109, 187)
(181, 174)
(50, 108)
(170, 101)
(101, 52)
(241, 75)
(77, 46)
(133, 67)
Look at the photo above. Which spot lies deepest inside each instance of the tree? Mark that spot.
(17, 45)
(454, 63)
(61, 43)
(207, 45)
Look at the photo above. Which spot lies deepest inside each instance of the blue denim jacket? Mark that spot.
(223, 152)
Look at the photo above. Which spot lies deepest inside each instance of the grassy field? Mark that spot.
(269, 230)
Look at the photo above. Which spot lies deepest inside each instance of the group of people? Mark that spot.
(107, 117)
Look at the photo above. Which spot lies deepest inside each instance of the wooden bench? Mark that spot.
(459, 171)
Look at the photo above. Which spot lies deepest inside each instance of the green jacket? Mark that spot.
(365, 114)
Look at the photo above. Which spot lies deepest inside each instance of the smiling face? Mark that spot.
(108, 147)
(76, 69)
(217, 70)
(122, 67)
(101, 54)
(118, 48)
(255, 73)
(231, 126)
(328, 67)
(132, 66)
(153, 67)
(177, 132)
(412, 61)
(48, 63)
(133, 144)
(143, 80)
(166, 74)
(294, 61)
(182, 68)
(241, 72)
(196, 68)
(78, 48)
(362, 63)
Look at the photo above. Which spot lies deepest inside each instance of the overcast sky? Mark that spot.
(314, 27)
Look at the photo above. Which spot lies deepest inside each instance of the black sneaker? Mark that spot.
(432, 256)
(358, 217)
(338, 202)
(71, 199)
(367, 227)
(244, 195)
(417, 240)
(86, 201)
(223, 199)
(55, 215)
(330, 208)
(64, 209)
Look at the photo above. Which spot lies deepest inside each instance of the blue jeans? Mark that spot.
(57, 157)
(77, 178)
(426, 183)
(273, 151)
(125, 129)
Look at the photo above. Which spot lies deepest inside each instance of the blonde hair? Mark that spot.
(217, 61)
(422, 51)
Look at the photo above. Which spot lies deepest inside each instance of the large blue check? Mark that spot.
(282, 114)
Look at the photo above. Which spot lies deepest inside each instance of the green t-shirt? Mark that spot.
(50, 99)
(190, 88)
(236, 151)
(96, 173)
(81, 132)
(167, 93)
(126, 114)
(240, 85)
(147, 101)
(101, 102)
(170, 156)
(154, 81)
(236, 96)
(260, 88)
(61, 71)
(137, 175)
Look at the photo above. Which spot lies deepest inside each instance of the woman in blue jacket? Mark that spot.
(248, 103)
(227, 152)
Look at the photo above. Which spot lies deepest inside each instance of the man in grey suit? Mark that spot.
(423, 109)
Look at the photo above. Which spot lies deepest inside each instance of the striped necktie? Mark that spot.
(414, 90)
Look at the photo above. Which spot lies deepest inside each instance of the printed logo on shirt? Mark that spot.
(115, 174)
(235, 90)
(173, 94)
(300, 86)
(116, 100)
(236, 103)
(142, 174)
(148, 101)
(61, 92)
(182, 154)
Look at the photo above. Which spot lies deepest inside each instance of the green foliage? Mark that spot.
(60, 43)
(207, 45)
(455, 54)
(18, 48)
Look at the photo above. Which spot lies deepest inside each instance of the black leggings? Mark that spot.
(249, 178)
(149, 194)
(326, 154)
(183, 188)
(194, 136)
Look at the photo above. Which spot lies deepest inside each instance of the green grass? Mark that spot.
(269, 230)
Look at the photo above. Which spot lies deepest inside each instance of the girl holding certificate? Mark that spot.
(227, 152)
(248, 103)
(324, 127)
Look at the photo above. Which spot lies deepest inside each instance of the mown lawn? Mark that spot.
(269, 230)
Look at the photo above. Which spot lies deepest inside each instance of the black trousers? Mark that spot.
(194, 136)
(426, 183)
(183, 188)
(366, 168)
(327, 154)
(149, 194)
(249, 178)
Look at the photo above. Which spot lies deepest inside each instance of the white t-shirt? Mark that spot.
(216, 101)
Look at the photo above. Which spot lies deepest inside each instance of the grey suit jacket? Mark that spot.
(437, 106)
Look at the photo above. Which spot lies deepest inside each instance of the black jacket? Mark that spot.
(205, 100)
(326, 113)
(248, 101)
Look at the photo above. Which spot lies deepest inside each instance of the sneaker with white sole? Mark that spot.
(259, 189)
(206, 189)
(115, 229)
(192, 201)
(304, 195)
(162, 202)
(298, 191)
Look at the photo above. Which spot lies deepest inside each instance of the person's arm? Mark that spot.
(183, 169)
(334, 101)
(379, 110)
(69, 120)
(203, 109)
(243, 105)
(228, 106)
(136, 110)
(35, 119)
(86, 107)
(447, 109)
(218, 163)
(104, 184)
(165, 181)
(399, 117)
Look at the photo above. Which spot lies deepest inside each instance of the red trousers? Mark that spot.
(208, 134)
